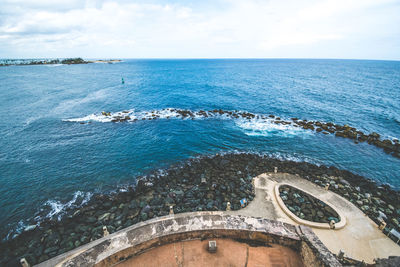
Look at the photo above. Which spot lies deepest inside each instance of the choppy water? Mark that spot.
(49, 160)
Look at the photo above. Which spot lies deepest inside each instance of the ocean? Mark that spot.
(57, 149)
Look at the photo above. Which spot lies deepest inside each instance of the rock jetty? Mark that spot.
(391, 147)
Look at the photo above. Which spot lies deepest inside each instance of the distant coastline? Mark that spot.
(67, 61)
(105, 61)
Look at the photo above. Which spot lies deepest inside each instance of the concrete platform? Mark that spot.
(229, 253)
(360, 239)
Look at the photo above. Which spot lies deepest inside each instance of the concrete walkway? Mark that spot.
(360, 239)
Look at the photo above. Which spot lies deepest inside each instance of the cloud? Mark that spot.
(224, 28)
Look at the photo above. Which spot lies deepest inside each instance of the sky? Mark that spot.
(354, 29)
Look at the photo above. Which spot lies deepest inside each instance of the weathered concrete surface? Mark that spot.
(359, 239)
(138, 238)
(194, 253)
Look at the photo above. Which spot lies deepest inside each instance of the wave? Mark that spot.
(295, 157)
(57, 209)
(128, 115)
(19, 228)
(262, 127)
(52, 209)
(53, 65)
(251, 124)
(90, 118)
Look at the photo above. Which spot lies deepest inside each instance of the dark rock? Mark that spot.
(143, 216)
(50, 250)
(90, 220)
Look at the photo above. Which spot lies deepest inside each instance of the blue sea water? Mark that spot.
(49, 160)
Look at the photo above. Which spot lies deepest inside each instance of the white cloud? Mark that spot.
(225, 28)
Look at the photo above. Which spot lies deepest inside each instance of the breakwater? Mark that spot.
(204, 183)
(389, 146)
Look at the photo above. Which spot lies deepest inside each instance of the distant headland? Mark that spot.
(67, 61)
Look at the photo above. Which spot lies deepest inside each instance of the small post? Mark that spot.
(171, 210)
(228, 206)
(327, 186)
(105, 231)
(341, 254)
(212, 246)
(332, 224)
(382, 225)
(24, 263)
(275, 169)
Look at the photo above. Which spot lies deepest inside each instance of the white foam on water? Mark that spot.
(275, 155)
(258, 125)
(58, 209)
(167, 113)
(293, 157)
(267, 127)
(54, 209)
(101, 118)
(31, 119)
(91, 117)
(19, 228)
(160, 114)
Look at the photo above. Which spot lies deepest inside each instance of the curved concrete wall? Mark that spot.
(138, 238)
(339, 225)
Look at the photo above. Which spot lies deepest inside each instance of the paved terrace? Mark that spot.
(360, 238)
(193, 253)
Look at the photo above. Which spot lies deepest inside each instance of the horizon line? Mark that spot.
(201, 58)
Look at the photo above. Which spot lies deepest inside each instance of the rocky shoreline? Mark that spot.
(205, 183)
(67, 61)
(391, 147)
